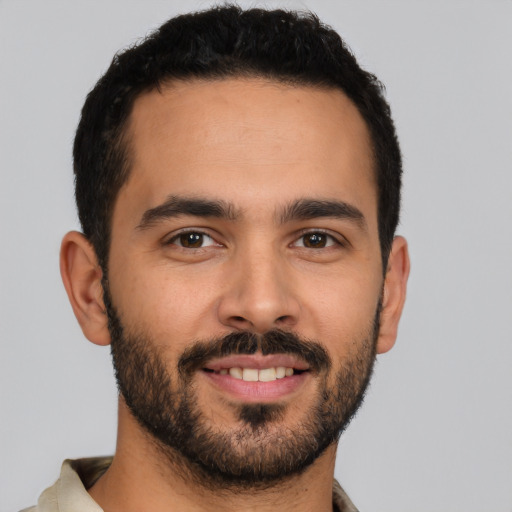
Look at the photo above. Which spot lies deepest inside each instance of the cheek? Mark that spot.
(169, 306)
(344, 312)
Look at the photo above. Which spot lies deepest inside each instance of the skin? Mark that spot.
(258, 146)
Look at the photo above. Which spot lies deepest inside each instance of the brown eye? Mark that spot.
(315, 240)
(191, 240)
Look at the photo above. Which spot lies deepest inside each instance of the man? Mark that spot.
(238, 186)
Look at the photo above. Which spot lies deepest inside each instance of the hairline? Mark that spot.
(122, 143)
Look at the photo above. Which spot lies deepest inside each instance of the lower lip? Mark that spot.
(257, 391)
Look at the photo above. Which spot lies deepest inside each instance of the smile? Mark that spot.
(257, 375)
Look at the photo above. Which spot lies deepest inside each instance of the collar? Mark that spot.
(69, 493)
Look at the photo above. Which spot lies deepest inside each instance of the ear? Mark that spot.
(395, 285)
(81, 275)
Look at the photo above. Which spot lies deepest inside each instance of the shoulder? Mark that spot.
(69, 492)
(340, 499)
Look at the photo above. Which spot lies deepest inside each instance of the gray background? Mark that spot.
(435, 433)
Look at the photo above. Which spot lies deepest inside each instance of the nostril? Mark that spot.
(285, 319)
(240, 322)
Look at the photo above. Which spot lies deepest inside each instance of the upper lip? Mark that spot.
(257, 361)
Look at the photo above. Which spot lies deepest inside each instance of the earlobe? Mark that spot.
(81, 275)
(393, 297)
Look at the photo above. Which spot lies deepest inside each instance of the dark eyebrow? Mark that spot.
(306, 209)
(175, 206)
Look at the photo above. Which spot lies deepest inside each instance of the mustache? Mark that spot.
(272, 342)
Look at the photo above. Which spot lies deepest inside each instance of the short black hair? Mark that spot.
(223, 42)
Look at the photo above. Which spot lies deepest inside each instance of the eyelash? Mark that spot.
(330, 242)
(176, 237)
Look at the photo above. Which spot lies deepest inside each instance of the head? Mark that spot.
(224, 42)
(237, 179)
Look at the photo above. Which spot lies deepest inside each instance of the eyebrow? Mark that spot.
(301, 209)
(176, 206)
(306, 209)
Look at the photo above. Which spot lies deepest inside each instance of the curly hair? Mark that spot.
(288, 47)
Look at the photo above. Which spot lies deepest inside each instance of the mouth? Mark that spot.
(256, 377)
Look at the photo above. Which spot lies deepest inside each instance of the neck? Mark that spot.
(142, 477)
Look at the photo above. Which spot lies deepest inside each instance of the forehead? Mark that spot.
(247, 139)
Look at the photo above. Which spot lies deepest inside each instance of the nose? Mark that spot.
(259, 295)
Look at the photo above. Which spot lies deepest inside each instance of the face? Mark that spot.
(245, 273)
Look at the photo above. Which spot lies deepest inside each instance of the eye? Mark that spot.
(316, 240)
(192, 240)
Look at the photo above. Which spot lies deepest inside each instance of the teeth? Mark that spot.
(250, 374)
(255, 375)
(267, 375)
(236, 373)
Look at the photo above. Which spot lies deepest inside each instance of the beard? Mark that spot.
(260, 450)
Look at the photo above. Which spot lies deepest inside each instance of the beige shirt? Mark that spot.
(69, 492)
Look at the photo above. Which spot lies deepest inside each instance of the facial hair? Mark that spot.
(260, 450)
